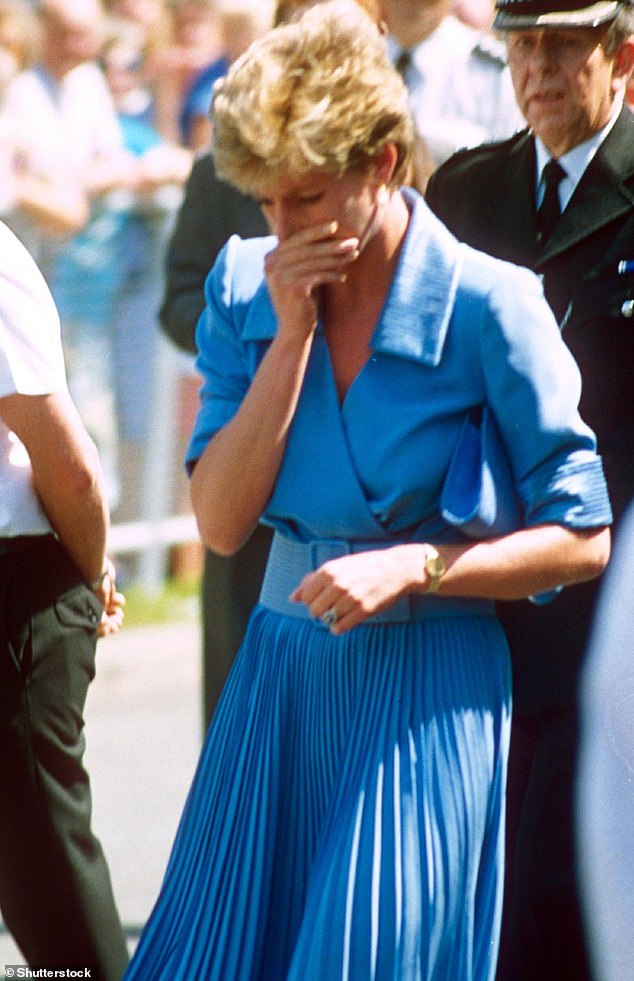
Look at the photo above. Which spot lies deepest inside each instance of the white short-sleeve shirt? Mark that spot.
(31, 363)
(60, 127)
(460, 88)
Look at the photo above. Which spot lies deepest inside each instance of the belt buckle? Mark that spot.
(323, 550)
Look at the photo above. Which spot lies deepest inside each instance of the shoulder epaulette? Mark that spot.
(487, 149)
(491, 50)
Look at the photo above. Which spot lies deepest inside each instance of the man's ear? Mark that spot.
(624, 61)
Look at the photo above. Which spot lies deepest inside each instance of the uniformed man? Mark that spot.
(570, 63)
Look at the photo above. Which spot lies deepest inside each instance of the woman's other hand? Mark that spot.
(353, 588)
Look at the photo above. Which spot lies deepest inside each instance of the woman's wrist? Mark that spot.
(424, 569)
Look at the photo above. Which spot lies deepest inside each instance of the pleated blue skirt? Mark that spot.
(346, 819)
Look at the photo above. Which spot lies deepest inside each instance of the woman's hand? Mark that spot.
(356, 587)
(304, 261)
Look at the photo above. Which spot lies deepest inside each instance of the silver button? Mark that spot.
(627, 309)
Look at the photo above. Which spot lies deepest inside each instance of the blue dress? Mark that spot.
(346, 818)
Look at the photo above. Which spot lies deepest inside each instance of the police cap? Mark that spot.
(522, 14)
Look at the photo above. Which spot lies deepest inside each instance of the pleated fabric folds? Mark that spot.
(346, 819)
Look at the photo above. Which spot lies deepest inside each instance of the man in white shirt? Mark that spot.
(57, 595)
(460, 88)
(63, 124)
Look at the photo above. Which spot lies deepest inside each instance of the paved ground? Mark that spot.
(143, 733)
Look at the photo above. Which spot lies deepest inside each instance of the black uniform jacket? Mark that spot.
(486, 196)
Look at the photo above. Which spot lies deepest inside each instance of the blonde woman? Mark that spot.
(346, 820)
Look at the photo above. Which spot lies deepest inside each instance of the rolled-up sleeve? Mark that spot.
(533, 387)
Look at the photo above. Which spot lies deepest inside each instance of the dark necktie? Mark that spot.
(550, 209)
(403, 62)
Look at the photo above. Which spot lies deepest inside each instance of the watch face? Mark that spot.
(435, 566)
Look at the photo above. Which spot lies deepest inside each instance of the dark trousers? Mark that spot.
(231, 586)
(55, 892)
(543, 937)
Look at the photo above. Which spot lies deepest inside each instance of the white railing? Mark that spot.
(160, 521)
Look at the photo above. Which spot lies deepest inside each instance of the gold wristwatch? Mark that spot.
(435, 568)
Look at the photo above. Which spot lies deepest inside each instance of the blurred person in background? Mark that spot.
(287, 10)
(78, 144)
(152, 19)
(63, 123)
(559, 199)
(194, 43)
(478, 14)
(154, 22)
(68, 143)
(110, 275)
(18, 30)
(239, 22)
(33, 199)
(605, 789)
(460, 88)
(57, 595)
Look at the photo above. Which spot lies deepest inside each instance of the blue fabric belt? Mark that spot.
(289, 561)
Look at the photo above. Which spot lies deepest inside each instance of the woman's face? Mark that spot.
(291, 204)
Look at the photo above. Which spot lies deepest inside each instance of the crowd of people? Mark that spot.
(103, 107)
(98, 129)
(413, 264)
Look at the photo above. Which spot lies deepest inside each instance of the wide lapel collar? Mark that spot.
(417, 311)
(602, 193)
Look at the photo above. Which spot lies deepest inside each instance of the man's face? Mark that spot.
(564, 83)
(71, 36)
(411, 21)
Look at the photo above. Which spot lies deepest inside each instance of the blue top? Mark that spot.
(459, 329)
(197, 101)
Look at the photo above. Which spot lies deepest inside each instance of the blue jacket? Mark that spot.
(452, 336)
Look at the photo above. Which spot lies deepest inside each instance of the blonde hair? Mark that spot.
(318, 94)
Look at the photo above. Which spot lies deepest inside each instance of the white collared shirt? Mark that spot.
(460, 88)
(575, 162)
(31, 363)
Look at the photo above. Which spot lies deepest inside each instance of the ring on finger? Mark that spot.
(329, 617)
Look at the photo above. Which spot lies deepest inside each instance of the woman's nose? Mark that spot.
(282, 221)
